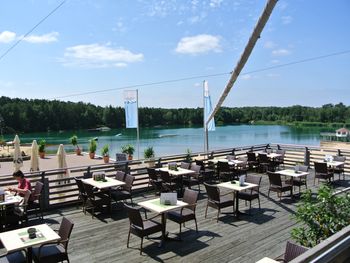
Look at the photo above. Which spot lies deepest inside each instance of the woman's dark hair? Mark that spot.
(19, 173)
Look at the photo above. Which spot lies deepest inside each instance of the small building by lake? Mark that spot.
(342, 134)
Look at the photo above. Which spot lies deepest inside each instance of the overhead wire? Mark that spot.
(31, 30)
(203, 76)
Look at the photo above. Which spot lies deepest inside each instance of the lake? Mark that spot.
(175, 140)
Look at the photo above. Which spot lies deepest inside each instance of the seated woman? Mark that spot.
(24, 188)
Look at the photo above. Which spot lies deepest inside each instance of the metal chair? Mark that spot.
(276, 185)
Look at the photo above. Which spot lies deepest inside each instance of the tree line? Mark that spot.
(35, 115)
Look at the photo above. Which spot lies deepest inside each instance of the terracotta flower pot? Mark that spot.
(42, 155)
(78, 151)
(92, 155)
(129, 157)
(106, 159)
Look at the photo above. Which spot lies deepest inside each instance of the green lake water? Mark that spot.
(175, 140)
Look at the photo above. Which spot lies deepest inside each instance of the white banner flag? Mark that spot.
(131, 111)
(208, 107)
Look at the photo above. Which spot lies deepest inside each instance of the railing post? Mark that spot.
(307, 157)
(339, 152)
(88, 173)
(46, 192)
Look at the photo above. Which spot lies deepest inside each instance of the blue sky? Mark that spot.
(90, 45)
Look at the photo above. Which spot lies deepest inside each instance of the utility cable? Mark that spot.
(205, 76)
(31, 30)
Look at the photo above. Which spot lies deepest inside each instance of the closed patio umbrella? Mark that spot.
(62, 163)
(17, 154)
(34, 160)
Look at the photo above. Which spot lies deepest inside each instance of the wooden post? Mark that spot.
(45, 192)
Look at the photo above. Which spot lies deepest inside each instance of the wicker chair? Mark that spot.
(95, 200)
(154, 180)
(225, 172)
(253, 193)
(185, 165)
(120, 176)
(126, 190)
(35, 203)
(15, 257)
(252, 161)
(276, 185)
(56, 251)
(187, 213)
(292, 251)
(217, 201)
(322, 172)
(82, 193)
(208, 173)
(193, 179)
(264, 163)
(340, 168)
(169, 183)
(302, 180)
(280, 159)
(140, 227)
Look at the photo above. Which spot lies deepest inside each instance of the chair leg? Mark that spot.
(141, 245)
(195, 221)
(268, 193)
(217, 216)
(206, 211)
(180, 231)
(250, 206)
(127, 243)
(259, 203)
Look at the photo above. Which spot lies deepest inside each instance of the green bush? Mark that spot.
(320, 217)
(148, 153)
(92, 146)
(128, 149)
(105, 150)
(74, 140)
(42, 145)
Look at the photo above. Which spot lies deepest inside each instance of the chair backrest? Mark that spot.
(253, 179)
(338, 158)
(65, 231)
(321, 168)
(293, 251)
(89, 190)
(303, 168)
(120, 176)
(274, 178)
(231, 157)
(129, 180)
(251, 156)
(263, 158)
(268, 150)
(190, 197)
(185, 165)
(282, 153)
(196, 168)
(80, 185)
(134, 216)
(152, 173)
(223, 167)
(121, 157)
(201, 164)
(243, 163)
(213, 192)
(165, 176)
(37, 191)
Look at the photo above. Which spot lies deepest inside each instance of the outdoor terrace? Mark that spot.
(103, 238)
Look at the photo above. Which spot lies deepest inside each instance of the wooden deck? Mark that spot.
(264, 233)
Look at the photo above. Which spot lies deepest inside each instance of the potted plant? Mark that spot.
(129, 150)
(92, 148)
(74, 142)
(105, 153)
(188, 157)
(149, 154)
(42, 145)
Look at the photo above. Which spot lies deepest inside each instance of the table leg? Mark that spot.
(237, 205)
(163, 230)
(29, 254)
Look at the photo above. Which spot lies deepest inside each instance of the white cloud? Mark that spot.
(46, 38)
(246, 76)
(215, 3)
(280, 52)
(198, 44)
(286, 20)
(269, 44)
(7, 36)
(96, 55)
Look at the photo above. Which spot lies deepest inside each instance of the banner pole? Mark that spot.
(138, 124)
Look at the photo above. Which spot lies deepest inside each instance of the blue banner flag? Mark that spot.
(208, 108)
(131, 111)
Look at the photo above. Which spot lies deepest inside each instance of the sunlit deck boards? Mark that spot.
(264, 233)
